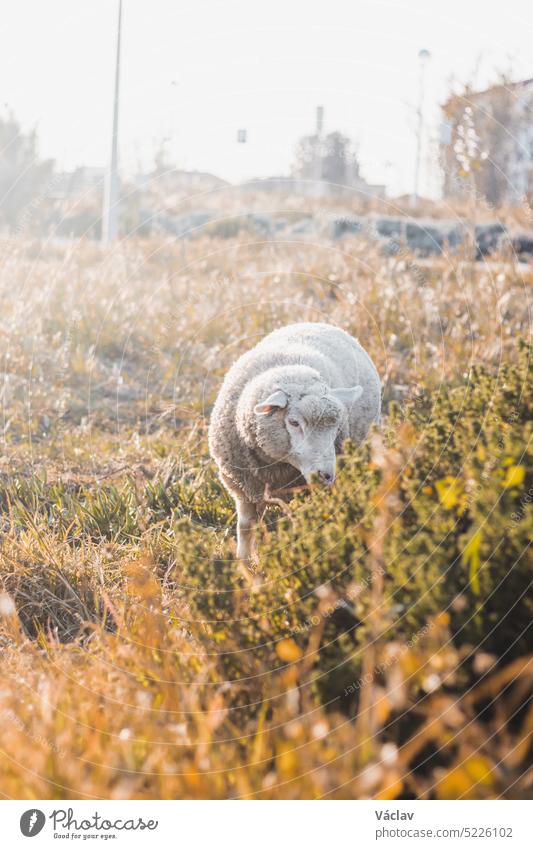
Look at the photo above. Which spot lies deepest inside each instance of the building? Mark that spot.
(68, 184)
(487, 143)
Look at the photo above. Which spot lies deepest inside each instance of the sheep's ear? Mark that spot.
(276, 401)
(347, 396)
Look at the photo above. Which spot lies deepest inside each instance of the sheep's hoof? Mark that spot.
(250, 571)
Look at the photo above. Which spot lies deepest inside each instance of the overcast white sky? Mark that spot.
(194, 71)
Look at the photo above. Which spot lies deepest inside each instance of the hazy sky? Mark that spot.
(194, 71)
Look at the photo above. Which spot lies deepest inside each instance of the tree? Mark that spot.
(339, 161)
(332, 159)
(23, 176)
(483, 142)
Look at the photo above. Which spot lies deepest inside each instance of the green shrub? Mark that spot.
(456, 541)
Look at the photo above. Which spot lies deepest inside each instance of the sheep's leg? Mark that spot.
(247, 518)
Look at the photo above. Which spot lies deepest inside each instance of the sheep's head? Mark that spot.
(300, 426)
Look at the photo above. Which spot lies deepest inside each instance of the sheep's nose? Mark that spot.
(326, 477)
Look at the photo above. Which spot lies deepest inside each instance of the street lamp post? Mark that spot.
(423, 58)
(111, 188)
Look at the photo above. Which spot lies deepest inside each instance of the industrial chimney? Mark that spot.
(319, 120)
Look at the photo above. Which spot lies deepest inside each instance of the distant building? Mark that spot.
(327, 164)
(67, 184)
(175, 179)
(487, 143)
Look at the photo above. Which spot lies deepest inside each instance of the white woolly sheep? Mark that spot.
(284, 410)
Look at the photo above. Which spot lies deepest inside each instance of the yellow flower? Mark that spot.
(470, 557)
(450, 492)
(514, 477)
(288, 650)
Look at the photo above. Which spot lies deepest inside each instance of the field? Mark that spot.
(381, 649)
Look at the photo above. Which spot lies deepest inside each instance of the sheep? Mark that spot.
(283, 412)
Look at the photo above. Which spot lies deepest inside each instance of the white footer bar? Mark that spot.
(268, 825)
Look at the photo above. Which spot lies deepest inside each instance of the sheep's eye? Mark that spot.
(294, 423)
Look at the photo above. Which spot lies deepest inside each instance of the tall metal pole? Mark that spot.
(423, 57)
(111, 189)
(319, 121)
(317, 187)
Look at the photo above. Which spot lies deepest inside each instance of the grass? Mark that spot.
(383, 649)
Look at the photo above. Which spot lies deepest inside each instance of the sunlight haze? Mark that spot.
(193, 73)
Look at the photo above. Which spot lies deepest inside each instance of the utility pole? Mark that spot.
(318, 186)
(319, 121)
(111, 188)
(423, 58)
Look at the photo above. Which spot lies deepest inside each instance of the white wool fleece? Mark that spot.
(286, 406)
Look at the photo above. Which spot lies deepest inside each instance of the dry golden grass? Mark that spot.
(138, 661)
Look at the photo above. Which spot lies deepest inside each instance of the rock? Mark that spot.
(519, 243)
(488, 237)
(189, 225)
(423, 236)
(389, 227)
(304, 227)
(343, 226)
